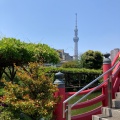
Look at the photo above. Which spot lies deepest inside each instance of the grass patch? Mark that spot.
(86, 109)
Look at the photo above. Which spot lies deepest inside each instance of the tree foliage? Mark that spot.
(13, 51)
(91, 60)
(32, 96)
(71, 64)
(43, 53)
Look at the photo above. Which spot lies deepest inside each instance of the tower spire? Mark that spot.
(76, 39)
(76, 19)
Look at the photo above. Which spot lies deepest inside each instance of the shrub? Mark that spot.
(75, 77)
(71, 64)
(32, 95)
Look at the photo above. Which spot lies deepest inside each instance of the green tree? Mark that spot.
(71, 64)
(43, 53)
(13, 51)
(91, 60)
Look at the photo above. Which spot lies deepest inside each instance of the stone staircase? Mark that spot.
(110, 113)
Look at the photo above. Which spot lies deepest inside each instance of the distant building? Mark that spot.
(64, 56)
(114, 53)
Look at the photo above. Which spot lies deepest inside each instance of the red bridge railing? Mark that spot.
(111, 73)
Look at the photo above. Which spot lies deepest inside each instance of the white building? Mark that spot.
(64, 56)
(114, 53)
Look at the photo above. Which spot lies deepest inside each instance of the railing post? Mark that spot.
(58, 112)
(110, 92)
(68, 114)
(106, 66)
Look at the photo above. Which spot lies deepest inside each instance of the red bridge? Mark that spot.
(109, 86)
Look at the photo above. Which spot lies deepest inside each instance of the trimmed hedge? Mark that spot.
(75, 78)
(71, 70)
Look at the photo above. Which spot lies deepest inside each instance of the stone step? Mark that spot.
(108, 114)
(117, 95)
(101, 117)
(111, 112)
(104, 117)
(110, 118)
(115, 103)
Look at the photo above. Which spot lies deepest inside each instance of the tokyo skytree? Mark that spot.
(76, 39)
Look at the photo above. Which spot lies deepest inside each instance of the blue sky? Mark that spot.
(52, 22)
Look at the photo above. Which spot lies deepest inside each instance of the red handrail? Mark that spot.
(83, 92)
(87, 115)
(116, 84)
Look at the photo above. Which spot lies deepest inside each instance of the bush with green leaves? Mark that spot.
(31, 96)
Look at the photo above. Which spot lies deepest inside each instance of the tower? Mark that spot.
(75, 39)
